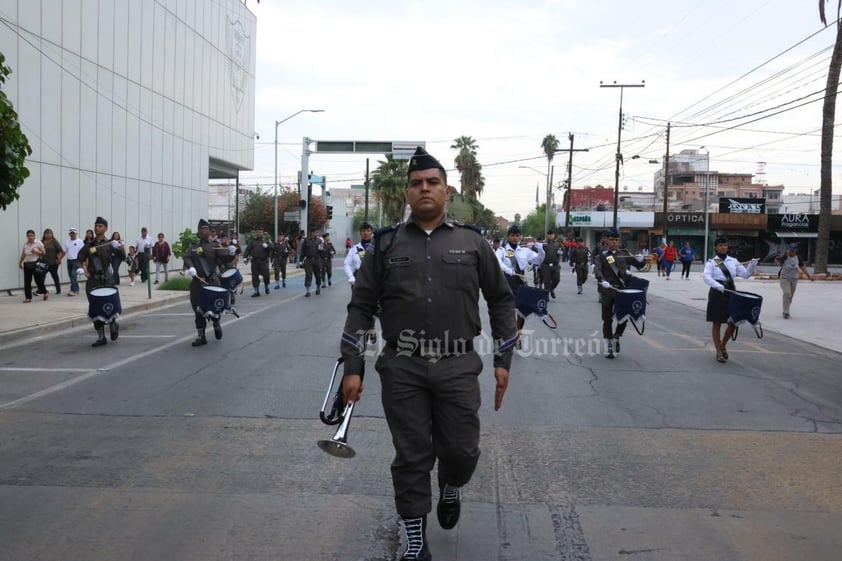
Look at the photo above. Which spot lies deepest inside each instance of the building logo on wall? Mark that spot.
(742, 206)
(238, 45)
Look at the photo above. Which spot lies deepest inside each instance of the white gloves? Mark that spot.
(232, 250)
(192, 271)
(720, 288)
(115, 244)
(605, 284)
(352, 280)
(80, 271)
(639, 258)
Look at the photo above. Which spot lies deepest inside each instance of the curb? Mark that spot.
(83, 320)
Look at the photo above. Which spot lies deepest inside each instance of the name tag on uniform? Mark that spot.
(610, 259)
(400, 260)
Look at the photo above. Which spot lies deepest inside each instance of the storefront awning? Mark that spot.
(797, 234)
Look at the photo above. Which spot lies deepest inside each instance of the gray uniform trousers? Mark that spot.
(432, 411)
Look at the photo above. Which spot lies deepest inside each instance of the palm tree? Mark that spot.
(471, 182)
(828, 118)
(549, 145)
(389, 183)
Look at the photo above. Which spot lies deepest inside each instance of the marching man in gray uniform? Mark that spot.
(427, 274)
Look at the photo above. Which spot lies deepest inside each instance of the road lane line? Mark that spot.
(129, 359)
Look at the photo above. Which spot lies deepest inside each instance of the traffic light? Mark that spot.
(329, 212)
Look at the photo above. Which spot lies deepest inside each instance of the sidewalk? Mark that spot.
(815, 308)
(23, 321)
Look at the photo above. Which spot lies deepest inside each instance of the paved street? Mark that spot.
(150, 449)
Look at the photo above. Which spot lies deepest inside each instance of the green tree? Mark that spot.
(533, 224)
(14, 146)
(471, 181)
(388, 182)
(828, 119)
(186, 239)
(259, 212)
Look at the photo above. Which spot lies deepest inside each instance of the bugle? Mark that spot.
(338, 414)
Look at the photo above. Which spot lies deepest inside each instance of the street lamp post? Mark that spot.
(285, 119)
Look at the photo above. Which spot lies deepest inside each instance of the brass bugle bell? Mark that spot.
(338, 414)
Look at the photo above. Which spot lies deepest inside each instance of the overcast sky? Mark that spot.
(508, 73)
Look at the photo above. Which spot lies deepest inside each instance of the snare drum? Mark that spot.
(231, 279)
(630, 304)
(745, 307)
(104, 304)
(213, 300)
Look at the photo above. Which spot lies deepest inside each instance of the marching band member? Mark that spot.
(96, 260)
(201, 263)
(427, 274)
(719, 274)
(515, 261)
(611, 271)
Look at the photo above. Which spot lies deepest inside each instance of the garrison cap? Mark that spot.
(514, 229)
(366, 226)
(202, 222)
(611, 233)
(101, 220)
(422, 160)
(720, 239)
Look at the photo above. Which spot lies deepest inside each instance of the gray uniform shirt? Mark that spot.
(428, 287)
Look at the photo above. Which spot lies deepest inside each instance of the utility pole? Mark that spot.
(619, 155)
(365, 215)
(666, 179)
(548, 198)
(569, 176)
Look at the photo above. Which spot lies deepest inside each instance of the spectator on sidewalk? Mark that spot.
(687, 256)
(117, 257)
(89, 237)
(144, 253)
(131, 262)
(72, 245)
(670, 256)
(659, 258)
(161, 256)
(791, 268)
(52, 256)
(32, 251)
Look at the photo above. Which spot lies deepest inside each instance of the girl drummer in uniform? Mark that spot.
(719, 275)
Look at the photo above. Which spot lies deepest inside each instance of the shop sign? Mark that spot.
(793, 222)
(730, 205)
(686, 218)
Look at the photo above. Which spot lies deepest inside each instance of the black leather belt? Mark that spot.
(431, 349)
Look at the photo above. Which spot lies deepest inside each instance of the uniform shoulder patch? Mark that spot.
(378, 242)
(382, 231)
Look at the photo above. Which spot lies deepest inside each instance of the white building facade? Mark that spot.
(130, 107)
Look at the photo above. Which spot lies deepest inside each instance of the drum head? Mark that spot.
(229, 273)
(214, 289)
(104, 291)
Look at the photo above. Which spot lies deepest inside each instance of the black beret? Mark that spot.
(202, 222)
(366, 226)
(720, 239)
(101, 220)
(611, 233)
(422, 160)
(550, 232)
(514, 229)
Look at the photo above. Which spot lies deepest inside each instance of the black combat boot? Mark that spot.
(200, 340)
(449, 506)
(217, 329)
(617, 345)
(318, 289)
(101, 340)
(114, 328)
(415, 529)
(256, 293)
(266, 289)
(609, 348)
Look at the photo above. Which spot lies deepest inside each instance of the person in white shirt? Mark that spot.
(719, 274)
(72, 245)
(516, 261)
(791, 268)
(354, 260)
(144, 253)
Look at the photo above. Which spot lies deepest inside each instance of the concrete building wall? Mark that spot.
(129, 106)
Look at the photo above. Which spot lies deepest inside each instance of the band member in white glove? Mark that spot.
(611, 270)
(516, 260)
(353, 262)
(202, 265)
(97, 262)
(720, 271)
